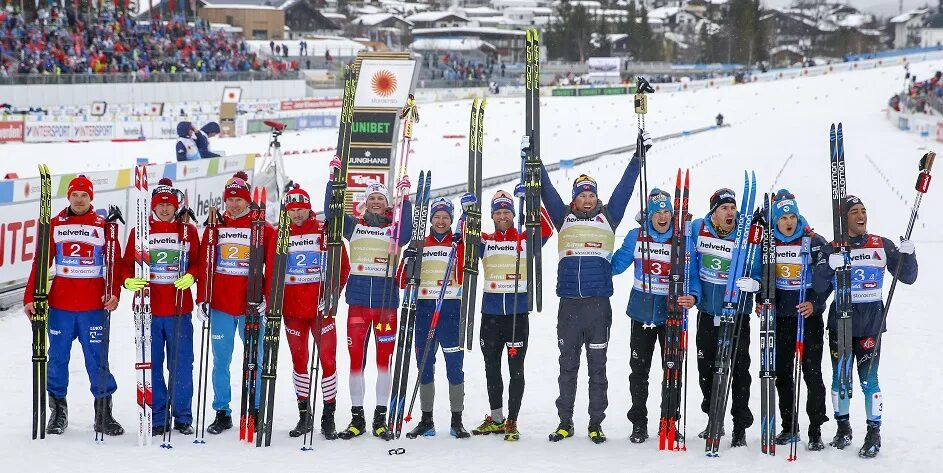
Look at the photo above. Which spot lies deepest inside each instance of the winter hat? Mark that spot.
(658, 200)
(237, 186)
(211, 127)
(297, 198)
(165, 193)
(784, 203)
(584, 183)
(502, 200)
(81, 183)
(721, 197)
(444, 205)
(376, 188)
(850, 201)
(184, 129)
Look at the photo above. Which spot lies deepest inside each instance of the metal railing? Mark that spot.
(132, 77)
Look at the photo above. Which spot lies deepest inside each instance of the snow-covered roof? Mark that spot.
(395, 6)
(432, 16)
(451, 44)
(480, 11)
(468, 30)
(906, 16)
(663, 12)
(366, 10)
(334, 15)
(613, 37)
(376, 18)
(854, 20)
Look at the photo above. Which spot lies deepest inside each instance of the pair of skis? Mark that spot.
(472, 228)
(768, 334)
(843, 274)
(273, 329)
(40, 319)
(338, 192)
(213, 221)
(142, 308)
(674, 355)
(111, 258)
(806, 254)
(747, 237)
(532, 166)
(412, 259)
(248, 410)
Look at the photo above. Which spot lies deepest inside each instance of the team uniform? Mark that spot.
(504, 317)
(186, 148)
(372, 300)
(302, 314)
(585, 245)
(711, 256)
(871, 255)
(648, 304)
(171, 325)
(229, 299)
(76, 310)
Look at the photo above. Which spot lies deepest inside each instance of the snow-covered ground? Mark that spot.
(771, 123)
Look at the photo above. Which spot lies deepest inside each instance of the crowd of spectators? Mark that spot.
(57, 41)
(454, 66)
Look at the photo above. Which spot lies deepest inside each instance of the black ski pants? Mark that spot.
(497, 333)
(706, 342)
(813, 347)
(583, 322)
(642, 345)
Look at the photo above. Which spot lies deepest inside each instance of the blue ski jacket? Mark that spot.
(712, 295)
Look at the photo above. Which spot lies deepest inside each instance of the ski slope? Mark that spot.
(772, 123)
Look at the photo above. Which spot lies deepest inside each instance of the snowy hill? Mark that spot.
(772, 123)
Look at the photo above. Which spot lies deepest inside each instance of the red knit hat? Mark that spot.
(297, 198)
(237, 186)
(81, 183)
(165, 193)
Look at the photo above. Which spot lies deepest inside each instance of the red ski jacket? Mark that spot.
(164, 261)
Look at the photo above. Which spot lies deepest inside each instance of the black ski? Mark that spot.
(40, 319)
(843, 274)
(472, 227)
(767, 301)
(247, 408)
(532, 165)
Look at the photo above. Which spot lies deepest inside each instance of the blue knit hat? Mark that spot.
(442, 204)
(584, 183)
(502, 201)
(658, 200)
(784, 203)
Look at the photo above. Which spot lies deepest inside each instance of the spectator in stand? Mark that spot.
(210, 130)
(186, 145)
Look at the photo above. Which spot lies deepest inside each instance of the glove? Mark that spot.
(457, 238)
(183, 282)
(134, 284)
(906, 247)
(335, 163)
(203, 313)
(520, 191)
(748, 284)
(410, 252)
(403, 183)
(836, 261)
(262, 307)
(647, 140)
(640, 217)
(468, 200)
(525, 145)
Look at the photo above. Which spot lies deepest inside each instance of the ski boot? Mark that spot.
(872, 441)
(704, 433)
(304, 420)
(842, 435)
(104, 421)
(639, 433)
(457, 430)
(739, 438)
(328, 430)
(59, 417)
(357, 424)
(788, 436)
(185, 428)
(564, 430)
(815, 439)
(510, 431)
(489, 426)
(222, 422)
(159, 430)
(596, 434)
(425, 427)
(379, 424)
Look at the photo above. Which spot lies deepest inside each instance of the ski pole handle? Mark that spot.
(923, 179)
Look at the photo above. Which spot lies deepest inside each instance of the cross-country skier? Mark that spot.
(870, 256)
(648, 308)
(715, 235)
(171, 325)
(586, 242)
(78, 306)
(504, 315)
(230, 292)
(789, 229)
(372, 298)
(435, 257)
(302, 314)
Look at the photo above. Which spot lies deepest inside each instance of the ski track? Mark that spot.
(771, 121)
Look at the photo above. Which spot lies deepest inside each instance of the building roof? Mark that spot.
(481, 11)
(374, 19)
(906, 16)
(432, 16)
(468, 31)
